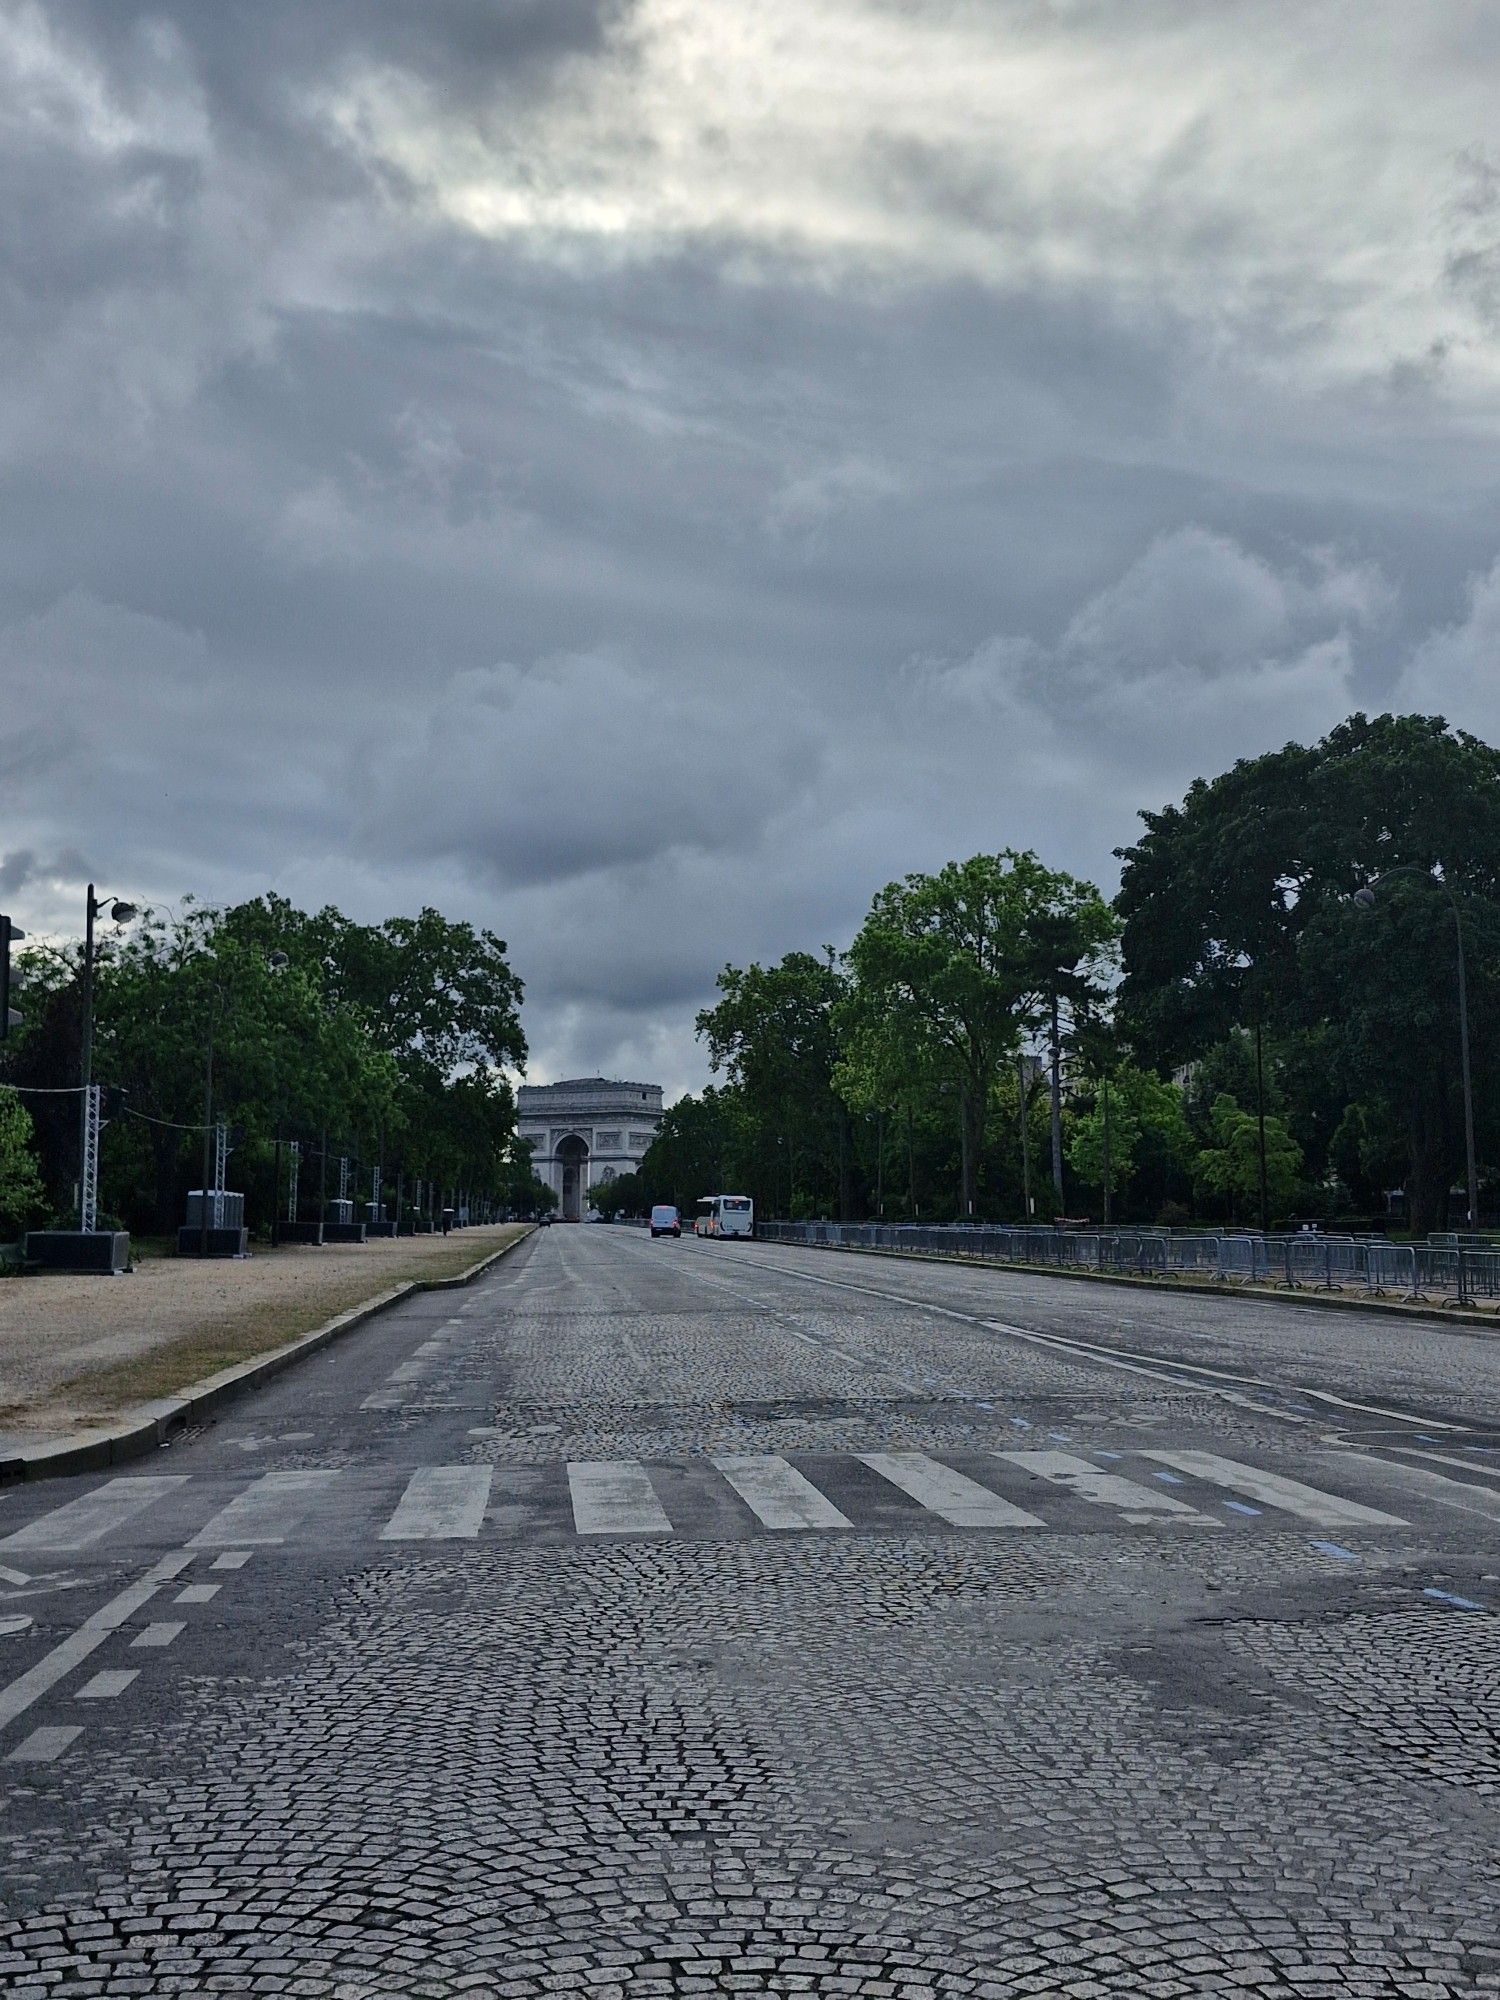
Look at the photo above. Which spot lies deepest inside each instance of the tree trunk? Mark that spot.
(1430, 1167)
(972, 1115)
(1055, 1050)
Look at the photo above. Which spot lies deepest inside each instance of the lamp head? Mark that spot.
(1363, 899)
(278, 961)
(123, 913)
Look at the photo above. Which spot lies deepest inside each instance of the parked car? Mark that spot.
(665, 1221)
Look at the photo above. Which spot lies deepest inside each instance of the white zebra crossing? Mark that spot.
(962, 1502)
(268, 1511)
(92, 1516)
(619, 1497)
(778, 1495)
(615, 1497)
(442, 1503)
(1308, 1503)
(1140, 1505)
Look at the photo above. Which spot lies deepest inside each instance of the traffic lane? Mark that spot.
(1420, 1364)
(1178, 1728)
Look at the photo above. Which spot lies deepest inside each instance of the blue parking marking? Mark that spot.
(1167, 1478)
(1451, 1597)
(1109, 1454)
(1335, 1549)
(1242, 1507)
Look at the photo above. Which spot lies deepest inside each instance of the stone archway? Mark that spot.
(573, 1160)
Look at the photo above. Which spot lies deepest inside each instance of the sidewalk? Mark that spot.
(75, 1352)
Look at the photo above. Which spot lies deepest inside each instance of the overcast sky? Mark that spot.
(643, 473)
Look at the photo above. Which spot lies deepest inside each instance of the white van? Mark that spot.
(665, 1221)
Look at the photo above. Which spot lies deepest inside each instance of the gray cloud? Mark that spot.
(644, 476)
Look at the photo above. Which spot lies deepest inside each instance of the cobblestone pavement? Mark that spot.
(672, 1619)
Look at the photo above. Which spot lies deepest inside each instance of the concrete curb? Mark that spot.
(149, 1425)
(1435, 1315)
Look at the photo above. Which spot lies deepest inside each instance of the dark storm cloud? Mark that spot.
(644, 476)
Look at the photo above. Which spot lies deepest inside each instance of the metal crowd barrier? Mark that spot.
(1465, 1271)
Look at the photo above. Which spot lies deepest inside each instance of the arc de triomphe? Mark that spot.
(584, 1130)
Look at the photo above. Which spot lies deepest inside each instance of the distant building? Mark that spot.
(585, 1130)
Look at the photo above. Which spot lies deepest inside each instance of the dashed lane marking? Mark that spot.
(158, 1635)
(108, 1685)
(44, 1746)
(77, 1647)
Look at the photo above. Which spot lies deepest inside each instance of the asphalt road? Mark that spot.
(691, 1618)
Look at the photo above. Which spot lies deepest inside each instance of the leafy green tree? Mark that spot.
(23, 1196)
(1237, 914)
(951, 966)
(1144, 1113)
(1230, 1165)
(773, 1032)
(621, 1196)
(699, 1149)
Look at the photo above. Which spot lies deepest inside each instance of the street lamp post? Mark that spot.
(1366, 899)
(120, 913)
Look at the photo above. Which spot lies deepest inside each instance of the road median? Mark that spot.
(96, 1371)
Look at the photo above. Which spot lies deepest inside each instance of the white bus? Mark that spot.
(725, 1215)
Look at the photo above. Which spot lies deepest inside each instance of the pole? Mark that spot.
(1107, 1176)
(323, 1178)
(1260, 1119)
(86, 1076)
(276, 1192)
(1463, 1049)
(208, 1139)
(1021, 1096)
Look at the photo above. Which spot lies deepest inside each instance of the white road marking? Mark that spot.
(946, 1493)
(91, 1634)
(614, 1497)
(105, 1686)
(13, 1575)
(1481, 1501)
(1137, 1504)
(42, 1746)
(441, 1503)
(266, 1511)
(197, 1593)
(92, 1515)
(777, 1494)
(232, 1559)
(158, 1635)
(1309, 1503)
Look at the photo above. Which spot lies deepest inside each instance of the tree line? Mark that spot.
(1262, 1026)
(382, 1044)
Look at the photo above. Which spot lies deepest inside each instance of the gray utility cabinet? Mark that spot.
(231, 1213)
(103, 1251)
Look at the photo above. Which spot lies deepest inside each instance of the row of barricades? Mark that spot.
(1442, 1267)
